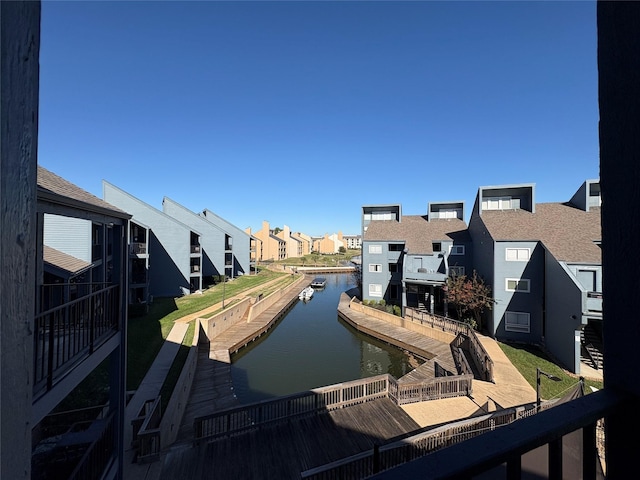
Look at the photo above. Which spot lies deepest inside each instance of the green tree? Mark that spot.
(469, 295)
(277, 230)
(342, 250)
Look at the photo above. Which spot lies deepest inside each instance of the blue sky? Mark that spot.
(301, 112)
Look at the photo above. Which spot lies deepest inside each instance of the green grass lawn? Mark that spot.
(147, 333)
(319, 260)
(527, 358)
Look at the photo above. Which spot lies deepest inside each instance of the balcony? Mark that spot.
(592, 302)
(66, 334)
(195, 249)
(138, 248)
(195, 268)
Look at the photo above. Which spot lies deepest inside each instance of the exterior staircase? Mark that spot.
(592, 347)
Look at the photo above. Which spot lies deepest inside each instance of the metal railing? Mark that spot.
(100, 454)
(72, 331)
(138, 248)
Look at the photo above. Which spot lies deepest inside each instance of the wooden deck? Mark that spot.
(212, 388)
(416, 343)
(282, 452)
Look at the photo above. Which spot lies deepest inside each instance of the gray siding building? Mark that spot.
(406, 259)
(543, 264)
(174, 250)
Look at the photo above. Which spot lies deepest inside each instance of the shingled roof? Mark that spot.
(50, 184)
(63, 261)
(566, 231)
(417, 232)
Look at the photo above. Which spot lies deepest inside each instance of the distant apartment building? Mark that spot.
(306, 243)
(543, 263)
(271, 247)
(294, 245)
(354, 242)
(329, 244)
(406, 259)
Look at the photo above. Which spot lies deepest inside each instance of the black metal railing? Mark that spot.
(100, 454)
(69, 332)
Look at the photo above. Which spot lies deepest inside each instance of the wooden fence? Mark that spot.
(320, 400)
(406, 449)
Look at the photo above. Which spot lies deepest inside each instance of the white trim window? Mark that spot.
(456, 250)
(517, 254)
(500, 203)
(375, 290)
(375, 248)
(456, 271)
(375, 267)
(517, 322)
(521, 285)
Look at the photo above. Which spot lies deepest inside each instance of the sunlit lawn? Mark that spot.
(527, 358)
(147, 333)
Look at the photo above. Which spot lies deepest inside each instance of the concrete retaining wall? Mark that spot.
(221, 321)
(427, 331)
(174, 410)
(267, 302)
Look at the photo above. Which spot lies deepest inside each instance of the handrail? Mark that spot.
(67, 333)
(483, 360)
(99, 454)
(432, 441)
(470, 458)
(313, 402)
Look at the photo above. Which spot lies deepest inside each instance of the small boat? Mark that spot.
(306, 294)
(319, 282)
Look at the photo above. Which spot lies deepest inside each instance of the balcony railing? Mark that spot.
(100, 454)
(195, 268)
(67, 333)
(138, 248)
(594, 302)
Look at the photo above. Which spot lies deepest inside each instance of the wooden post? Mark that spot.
(19, 86)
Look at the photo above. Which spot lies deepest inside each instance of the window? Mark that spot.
(393, 267)
(517, 285)
(393, 292)
(456, 271)
(437, 246)
(375, 248)
(375, 267)
(500, 203)
(516, 322)
(396, 247)
(375, 290)
(518, 254)
(456, 250)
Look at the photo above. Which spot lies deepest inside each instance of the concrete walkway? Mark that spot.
(152, 383)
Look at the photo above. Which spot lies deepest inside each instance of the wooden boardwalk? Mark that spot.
(284, 451)
(427, 348)
(212, 388)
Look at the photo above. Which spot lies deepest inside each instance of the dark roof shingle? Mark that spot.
(417, 232)
(570, 234)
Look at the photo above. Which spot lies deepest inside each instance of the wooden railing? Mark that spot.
(138, 248)
(68, 333)
(240, 419)
(429, 442)
(100, 454)
(480, 355)
(146, 431)
(268, 412)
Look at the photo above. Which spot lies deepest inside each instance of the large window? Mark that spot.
(517, 254)
(396, 247)
(393, 267)
(517, 285)
(457, 250)
(516, 322)
(375, 290)
(375, 248)
(375, 267)
(500, 203)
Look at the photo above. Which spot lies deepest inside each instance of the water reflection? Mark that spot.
(311, 347)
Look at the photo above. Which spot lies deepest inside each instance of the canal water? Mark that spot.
(311, 347)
